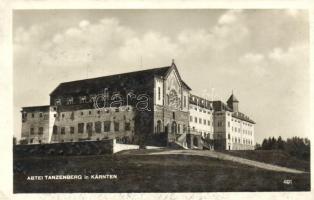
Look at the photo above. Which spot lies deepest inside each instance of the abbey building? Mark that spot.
(149, 107)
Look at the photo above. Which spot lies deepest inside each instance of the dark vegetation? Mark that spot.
(295, 146)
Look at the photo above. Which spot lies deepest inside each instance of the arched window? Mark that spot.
(158, 130)
(174, 127)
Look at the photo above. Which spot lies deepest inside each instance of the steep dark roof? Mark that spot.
(185, 85)
(135, 80)
(221, 106)
(44, 108)
(242, 116)
(232, 98)
(199, 101)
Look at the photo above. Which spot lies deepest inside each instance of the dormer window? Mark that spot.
(58, 102)
(70, 100)
(92, 97)
(83, 99)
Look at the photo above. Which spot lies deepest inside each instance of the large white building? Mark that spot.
(154, 107)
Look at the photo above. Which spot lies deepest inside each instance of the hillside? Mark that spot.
(275, 157)
(150, 173)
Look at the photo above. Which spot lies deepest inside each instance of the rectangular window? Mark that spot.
(33, 115)
(72, 130)
(116, 126)
(195, 119)
(184, 101)
(204, 121)
(191, 118)
(32, 131)
(200, 120)
(106, 126)
(40, 114)
(228, 124)
(89, 127)
(80, 128)
(208, 122)
(158, 93)
(55, 130)
(62, 130)
(40, 130)
(127, 126)
(98, 127)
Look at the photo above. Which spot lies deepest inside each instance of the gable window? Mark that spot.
(158, 93)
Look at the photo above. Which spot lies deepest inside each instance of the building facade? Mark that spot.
(149, 107)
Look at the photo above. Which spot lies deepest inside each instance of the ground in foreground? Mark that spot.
(150, 173)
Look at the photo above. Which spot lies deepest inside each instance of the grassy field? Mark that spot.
(275, 157)
(150, 173)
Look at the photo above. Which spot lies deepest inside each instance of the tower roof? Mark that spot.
(232, 98)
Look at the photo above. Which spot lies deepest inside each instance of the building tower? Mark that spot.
(233, 103)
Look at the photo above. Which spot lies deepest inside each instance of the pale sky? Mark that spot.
(262, 55)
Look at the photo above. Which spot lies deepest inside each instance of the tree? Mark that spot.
(258, 146)
(280, 143)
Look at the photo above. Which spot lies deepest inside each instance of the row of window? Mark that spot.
(90, 127)
(202, 110)
(200, 121)
(89, 113)
(239, 121)
(200, 101)
(238, 140)
(32, 115)
(247, 132)
(40, 131)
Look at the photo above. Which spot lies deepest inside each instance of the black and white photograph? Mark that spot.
(161, 100)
